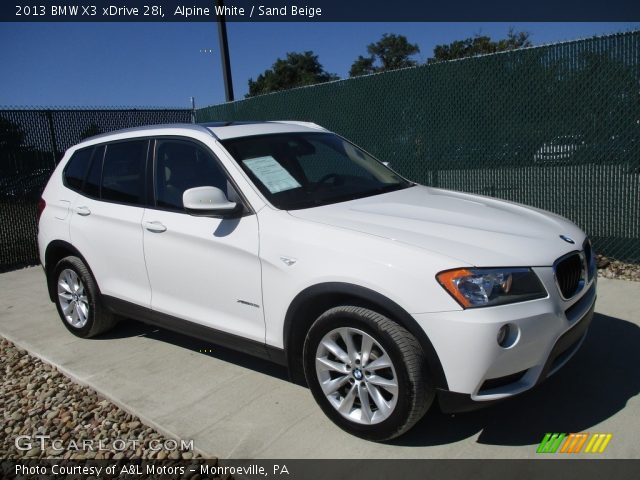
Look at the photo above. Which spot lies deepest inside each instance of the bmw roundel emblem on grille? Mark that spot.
(567, 239)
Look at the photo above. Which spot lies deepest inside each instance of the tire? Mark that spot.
(76, 292)
(392, 410)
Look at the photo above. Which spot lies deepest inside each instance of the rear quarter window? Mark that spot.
(76, 169)
(94, 175)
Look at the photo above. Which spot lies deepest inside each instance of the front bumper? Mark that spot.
(479, 371)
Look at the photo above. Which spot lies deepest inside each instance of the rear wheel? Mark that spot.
(78, 301)
(366, 372)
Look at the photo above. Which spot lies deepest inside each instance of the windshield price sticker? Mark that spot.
(271, 174)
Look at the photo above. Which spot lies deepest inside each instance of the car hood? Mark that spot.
(471, 229)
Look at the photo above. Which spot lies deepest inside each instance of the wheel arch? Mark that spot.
(56, 251)
(310, 303)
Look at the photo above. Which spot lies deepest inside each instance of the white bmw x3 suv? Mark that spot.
(286, 241)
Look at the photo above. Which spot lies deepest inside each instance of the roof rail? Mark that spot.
(302, 124)
(191, 126)
(216, 124)
(221, 123)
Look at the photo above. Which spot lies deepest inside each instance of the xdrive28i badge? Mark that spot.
(567, 239)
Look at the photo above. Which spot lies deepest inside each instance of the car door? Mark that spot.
(106, 220)
(204, 270)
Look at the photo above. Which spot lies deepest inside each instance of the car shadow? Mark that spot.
(593, 386)
(132, 328)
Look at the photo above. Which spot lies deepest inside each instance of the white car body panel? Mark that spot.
(403, 273)
(477, 230)
(110, 239)
(393, 244)
(478, 357)
(200, 267)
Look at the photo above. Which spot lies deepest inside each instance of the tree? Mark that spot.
(389, 53)
(478, 45)
(362, 66)
(297, 70)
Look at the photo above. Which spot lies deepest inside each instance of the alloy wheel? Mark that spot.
(357, 375)
(73, 299)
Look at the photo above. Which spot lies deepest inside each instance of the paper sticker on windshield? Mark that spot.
(271, 174)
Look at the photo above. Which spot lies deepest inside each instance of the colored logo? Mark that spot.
(567, 239)
(574, 443)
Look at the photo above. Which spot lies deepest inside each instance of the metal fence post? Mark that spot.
(52, 137)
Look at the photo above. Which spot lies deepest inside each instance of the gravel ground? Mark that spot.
(36, 399)
(609, 268)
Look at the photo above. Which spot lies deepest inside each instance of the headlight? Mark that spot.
(483, 287)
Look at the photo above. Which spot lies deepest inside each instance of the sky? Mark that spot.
(164, 64)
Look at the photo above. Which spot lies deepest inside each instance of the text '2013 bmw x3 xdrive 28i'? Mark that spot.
(288, 242)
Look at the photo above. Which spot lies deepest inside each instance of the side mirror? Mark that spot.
(209, 202)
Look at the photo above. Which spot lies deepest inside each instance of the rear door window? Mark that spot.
(123, 172)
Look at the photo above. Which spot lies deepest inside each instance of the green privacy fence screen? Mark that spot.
(556, 127)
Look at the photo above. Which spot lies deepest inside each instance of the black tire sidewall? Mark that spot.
(73, 263)
(379, 431)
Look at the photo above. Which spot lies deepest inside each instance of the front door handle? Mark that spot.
(84, 211)
(155, 227)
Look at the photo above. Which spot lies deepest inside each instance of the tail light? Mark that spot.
(41, 205)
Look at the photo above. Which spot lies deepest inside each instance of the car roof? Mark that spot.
(220, 130)
(225, 130)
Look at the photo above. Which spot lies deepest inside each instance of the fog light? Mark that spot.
(508, 335)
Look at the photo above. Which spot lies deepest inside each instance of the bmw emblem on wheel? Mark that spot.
(567, 239)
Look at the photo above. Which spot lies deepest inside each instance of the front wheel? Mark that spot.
(366, 372)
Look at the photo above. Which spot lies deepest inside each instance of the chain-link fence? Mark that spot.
(556, 127)
(31, 143)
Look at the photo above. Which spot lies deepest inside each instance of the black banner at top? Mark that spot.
(317, 11)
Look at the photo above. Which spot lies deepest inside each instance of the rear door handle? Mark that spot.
(155, 227)
(84, 211)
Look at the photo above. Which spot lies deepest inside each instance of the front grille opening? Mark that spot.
(568, 275)
(492, 383)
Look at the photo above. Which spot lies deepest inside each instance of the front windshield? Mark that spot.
(302, 170)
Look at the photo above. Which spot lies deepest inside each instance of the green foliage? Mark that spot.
(362, 66)
(297, 70)
(479, 45)
(389, 53)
